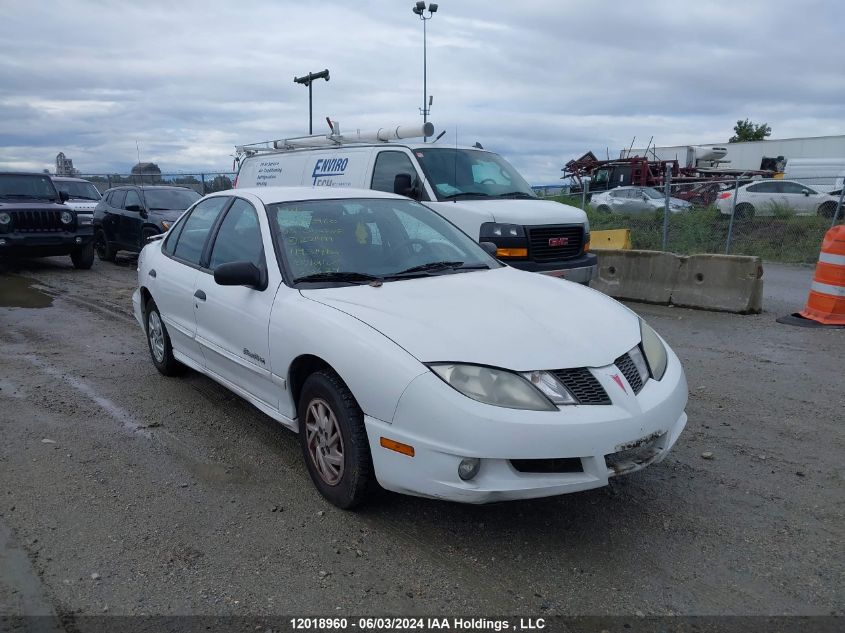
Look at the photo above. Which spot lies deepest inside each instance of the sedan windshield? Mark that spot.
(167, 199)
(365, 240)
(78, 190)
(466, 173)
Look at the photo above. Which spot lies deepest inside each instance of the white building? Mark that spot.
(750, 154)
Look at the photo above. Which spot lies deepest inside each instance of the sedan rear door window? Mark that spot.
(195, 231)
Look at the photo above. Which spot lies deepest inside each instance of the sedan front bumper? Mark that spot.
(525, 454)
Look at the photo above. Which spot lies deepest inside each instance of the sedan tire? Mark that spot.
(158, 341)
(334, 441)
(744, 211)
(827, 209)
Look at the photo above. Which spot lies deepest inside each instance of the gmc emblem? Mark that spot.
(558, 241)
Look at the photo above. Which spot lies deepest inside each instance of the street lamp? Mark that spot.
(419, 8)
(307, 80)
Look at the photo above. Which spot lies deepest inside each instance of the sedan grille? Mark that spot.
(583, 386)
(37, 221)
(556, 242)
(630, 371)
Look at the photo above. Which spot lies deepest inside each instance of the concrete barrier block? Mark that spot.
(730, 283)
(648, 276)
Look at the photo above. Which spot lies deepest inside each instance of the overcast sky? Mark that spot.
(538, 81)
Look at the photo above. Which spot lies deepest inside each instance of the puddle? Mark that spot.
(19, 292)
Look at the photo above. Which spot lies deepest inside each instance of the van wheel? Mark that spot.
(83, 258)
(827, 209)
(105, 251)
(334, 441)
(744, 210)
(159, 342)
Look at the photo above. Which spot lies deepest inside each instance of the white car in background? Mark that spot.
(635, 201)
(402, 352)
(83, 196)
(766, 197)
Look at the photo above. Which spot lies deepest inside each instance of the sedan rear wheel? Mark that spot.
(159, 342)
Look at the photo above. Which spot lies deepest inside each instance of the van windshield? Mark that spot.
(471, 174)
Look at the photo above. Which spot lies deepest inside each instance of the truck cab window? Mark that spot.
(388, 165)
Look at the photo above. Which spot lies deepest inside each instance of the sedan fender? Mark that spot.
(376, 369)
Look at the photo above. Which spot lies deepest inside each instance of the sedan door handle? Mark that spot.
(199, 294)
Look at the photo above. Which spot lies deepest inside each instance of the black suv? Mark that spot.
(35, 222)
(127, 216)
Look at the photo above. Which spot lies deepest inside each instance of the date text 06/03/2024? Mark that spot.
(417, 623)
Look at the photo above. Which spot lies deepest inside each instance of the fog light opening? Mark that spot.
(468, 468)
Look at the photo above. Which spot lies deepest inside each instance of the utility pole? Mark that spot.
(419, 8)
(307, 80)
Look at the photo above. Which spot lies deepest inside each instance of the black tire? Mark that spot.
(827, 209)
(355, 478)
(162, 355)
(603, 208)
(83, 258)
(105, 251)
(744, 211)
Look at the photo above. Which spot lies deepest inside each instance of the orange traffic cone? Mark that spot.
(826, 303)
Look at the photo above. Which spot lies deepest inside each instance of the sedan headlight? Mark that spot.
(654, 351)
(502, 388)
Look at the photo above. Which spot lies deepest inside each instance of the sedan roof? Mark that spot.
(271, 195)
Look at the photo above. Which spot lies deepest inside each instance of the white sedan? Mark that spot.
(401, 352)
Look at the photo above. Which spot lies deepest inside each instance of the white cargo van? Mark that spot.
(824, 174)
(477, 190)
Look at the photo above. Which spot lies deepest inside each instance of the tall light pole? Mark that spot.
(307, 80)
(419, 8)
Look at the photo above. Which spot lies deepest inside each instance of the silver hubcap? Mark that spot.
(155, 332)
(325, 443)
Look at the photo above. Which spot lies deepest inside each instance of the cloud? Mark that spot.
(540, 82)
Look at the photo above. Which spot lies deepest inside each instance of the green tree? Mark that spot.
(748, 131)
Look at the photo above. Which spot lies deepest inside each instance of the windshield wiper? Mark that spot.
(162, 209)
(435, 266)
(350, 276)
(514, 194)
(464, 194)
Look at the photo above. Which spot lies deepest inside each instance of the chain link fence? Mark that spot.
(779, 220)
(202, 183)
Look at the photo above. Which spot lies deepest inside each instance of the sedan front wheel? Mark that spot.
(334, 441)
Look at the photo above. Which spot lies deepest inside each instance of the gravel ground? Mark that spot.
(125, 492)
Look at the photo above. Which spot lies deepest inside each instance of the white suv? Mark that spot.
(402, 352)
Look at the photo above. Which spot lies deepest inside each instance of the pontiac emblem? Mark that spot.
(619, 382)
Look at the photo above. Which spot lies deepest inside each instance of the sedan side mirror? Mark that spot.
(64, 196)
(490, 248)
(806, 192)
(240, 274)
(403, 185)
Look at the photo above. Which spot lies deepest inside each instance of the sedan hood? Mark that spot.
(523, 211)
(503, 318)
